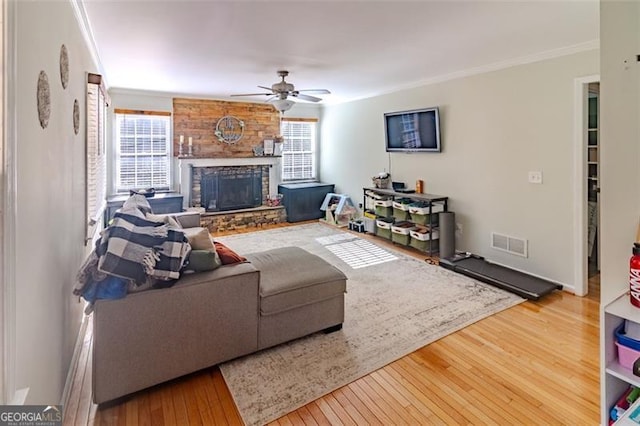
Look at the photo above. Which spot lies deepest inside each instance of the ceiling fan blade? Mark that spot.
(266, 88)
(253, 94)
(317, 91)
(306, 97)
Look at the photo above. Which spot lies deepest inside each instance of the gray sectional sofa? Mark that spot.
(210, 317)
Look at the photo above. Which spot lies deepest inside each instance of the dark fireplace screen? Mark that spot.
(231, 189)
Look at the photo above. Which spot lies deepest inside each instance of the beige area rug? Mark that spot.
(392, 308)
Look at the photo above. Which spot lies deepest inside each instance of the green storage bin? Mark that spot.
(384, 233)
(423, 245)
(384, 211)
(400, 238)
(423, 219)
(399, 214)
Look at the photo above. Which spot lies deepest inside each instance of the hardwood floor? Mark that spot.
(535, 363)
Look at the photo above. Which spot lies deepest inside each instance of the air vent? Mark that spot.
(509, 244)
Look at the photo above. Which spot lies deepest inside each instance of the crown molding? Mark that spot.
(496, 66)
(87, 33)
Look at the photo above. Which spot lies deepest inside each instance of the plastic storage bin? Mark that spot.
(622, 338)
(384, 208)
(400, 232)
(383, 228)
(401, 209)
(420, 239)
(419, 213)
(627, 356)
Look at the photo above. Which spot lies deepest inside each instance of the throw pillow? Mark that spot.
(203, 260)
(199, 238)
(228, 256)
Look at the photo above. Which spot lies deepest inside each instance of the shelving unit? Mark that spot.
(431, 199)
(614, 378)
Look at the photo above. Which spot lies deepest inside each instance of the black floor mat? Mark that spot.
(522, 284)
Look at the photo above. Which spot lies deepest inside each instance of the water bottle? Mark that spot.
(634, 275)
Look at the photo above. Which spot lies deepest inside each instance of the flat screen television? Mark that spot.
(417, 130)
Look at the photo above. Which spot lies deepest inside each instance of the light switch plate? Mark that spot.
(535, 177)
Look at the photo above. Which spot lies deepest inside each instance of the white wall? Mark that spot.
(619, 141)
(50, 198)
(496, 127)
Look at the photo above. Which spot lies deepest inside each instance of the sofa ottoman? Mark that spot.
(300, 293)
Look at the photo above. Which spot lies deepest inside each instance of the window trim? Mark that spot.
(116, 154)
(96, 168)
(314, 151)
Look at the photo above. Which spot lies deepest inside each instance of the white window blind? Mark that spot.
(298, 149)
(143, 151)
(96, 166)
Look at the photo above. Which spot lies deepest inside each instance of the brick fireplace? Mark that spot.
(232, 191)
(224, 188)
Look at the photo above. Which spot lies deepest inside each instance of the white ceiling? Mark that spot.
(356, 49)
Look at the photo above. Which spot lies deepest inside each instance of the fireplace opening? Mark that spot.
(231, 188)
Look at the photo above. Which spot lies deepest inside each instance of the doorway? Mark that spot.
(593, 185)
(586, 184)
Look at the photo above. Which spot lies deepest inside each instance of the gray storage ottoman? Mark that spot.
(300, 293)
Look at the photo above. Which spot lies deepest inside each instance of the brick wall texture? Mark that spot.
(242, 220)
(197, 118)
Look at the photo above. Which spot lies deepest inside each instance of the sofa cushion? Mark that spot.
(203, 260)
(199, 238)
(291, 277)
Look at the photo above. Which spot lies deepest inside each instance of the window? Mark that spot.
(143, 150)
(299, 148)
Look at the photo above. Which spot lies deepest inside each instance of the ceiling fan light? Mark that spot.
(283, 105)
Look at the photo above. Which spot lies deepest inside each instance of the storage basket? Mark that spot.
(399, 214)
(422, 245)
(384, 224)
(383, 207)
(383, 232)
(381, 182)
(424, 219)
(400, 232)
(422, 207)
(422, 233)
(383, 228)
(401, 209)
(622, 338)
(627, 356)
(420, 239)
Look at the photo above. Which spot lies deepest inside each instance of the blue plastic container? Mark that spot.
(626, 341)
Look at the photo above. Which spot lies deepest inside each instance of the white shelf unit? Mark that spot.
(614, 379)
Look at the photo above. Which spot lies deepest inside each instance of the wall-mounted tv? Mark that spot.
(417, 130)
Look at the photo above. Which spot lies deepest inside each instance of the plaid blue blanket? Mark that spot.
(134, 248)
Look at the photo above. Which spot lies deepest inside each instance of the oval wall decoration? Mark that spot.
(64, 66)
(229, 129)
(44, 99)
(76, 116)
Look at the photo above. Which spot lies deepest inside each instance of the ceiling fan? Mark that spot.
(281, 90)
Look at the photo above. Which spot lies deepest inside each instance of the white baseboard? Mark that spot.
(73, 366)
